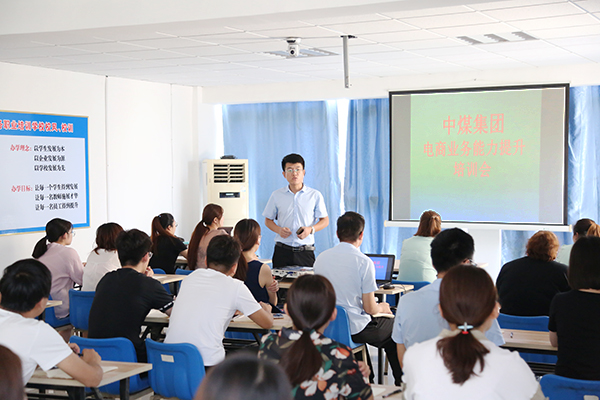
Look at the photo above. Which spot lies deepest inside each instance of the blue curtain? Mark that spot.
(265, 133)
(367, 182)
(583, 169)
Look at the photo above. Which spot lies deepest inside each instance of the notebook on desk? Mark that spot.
(384, 267)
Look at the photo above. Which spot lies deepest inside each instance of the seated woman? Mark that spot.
(526, 286)
(256, 275)
(583, 227)
(243, 376)
(574, 324)
(62, 261)
(103, 258)
(462, 363)
(415, 257)
(207, 228)
(318, 367)
(166, 247)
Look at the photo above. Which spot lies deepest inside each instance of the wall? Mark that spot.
(146, 143)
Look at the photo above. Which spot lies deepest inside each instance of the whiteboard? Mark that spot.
(44, 161)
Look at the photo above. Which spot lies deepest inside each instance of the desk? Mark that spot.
(286, 283)
(238, 323)
(168, 278)
(53, 303)
(530, 341)
(123, 372)
(380, 390)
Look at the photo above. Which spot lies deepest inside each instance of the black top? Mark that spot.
(259, 293)
(526, 286)
(575, 317)
(123, 299)
(167, 251)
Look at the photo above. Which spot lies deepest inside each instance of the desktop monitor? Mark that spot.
(384, 266)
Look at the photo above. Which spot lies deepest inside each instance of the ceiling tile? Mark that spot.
(427, 44)
(165, 43)
(555, 22)
(230, 38)
(537, 11)
(589, 5)
(469, 30)
(107, 47)
(429, 12)
(305, 32)
(346, 19)
(495, 5)
(205, 51)
(444, 21)
(96, 58)
(389, 37)
(567, 32)
(42, 51)
(359, 28)
(242, 58)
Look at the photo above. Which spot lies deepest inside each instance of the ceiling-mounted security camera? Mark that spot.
(293, 49)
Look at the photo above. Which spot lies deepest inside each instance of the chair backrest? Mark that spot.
(523, 323)
(114, 349)
(161, 271)
(80, 304)
(417, 284)
(180, 271)
(50, 317)
(339, 329)
(177, 369)
(561, 388)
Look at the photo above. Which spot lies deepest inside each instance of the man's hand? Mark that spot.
(267, 307)
(285, 232)
(91, 357)
(148, 271)
(75, 348)
(273, 287)
(384, 308)
(306, 230)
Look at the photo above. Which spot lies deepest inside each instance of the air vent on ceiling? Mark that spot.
(303, 53)
(491, 38)
(229, 173)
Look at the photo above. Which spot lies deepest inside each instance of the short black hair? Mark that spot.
(350, 226)
(222, 253)
(24, 284)
(584, 263)
(132, 246)
(292, 159)
(450, 248)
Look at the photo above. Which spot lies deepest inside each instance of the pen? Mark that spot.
(391, 393)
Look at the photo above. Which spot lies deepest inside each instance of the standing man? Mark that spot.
(352, 275)
(300, 212)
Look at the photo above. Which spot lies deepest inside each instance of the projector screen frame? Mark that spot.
(563, 226)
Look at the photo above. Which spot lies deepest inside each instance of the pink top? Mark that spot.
(66, 268)
(204, 244)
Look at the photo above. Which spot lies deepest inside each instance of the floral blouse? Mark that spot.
(338, 376)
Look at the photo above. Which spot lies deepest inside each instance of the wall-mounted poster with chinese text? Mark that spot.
(44, 161)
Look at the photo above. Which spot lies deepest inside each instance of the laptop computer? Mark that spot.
(384, 267)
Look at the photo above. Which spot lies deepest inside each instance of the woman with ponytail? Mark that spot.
(318, 367)
(256, 275)
(207, 228)
(461, 363)
(166, 247)
(415, 257)
(62, 261)
(583, 227)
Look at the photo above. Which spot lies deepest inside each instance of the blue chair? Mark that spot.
(538, 323)
(177, 369)
(161, 271)
(417, 285)
(339, 330)
(50, 317)
(180, 271)
(80, 304)
(561, 388)
(114, 349)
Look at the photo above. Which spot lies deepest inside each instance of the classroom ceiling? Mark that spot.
(238, 51)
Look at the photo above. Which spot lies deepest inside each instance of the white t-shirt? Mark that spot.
(505, 375)
(97, 266)
(204, 307)
(35, 342)
(352, 274)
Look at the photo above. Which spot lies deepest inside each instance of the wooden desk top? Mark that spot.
(168, 278)
(238, 322)
(398, 289)
(124, 370)
(532, 340)
(380, 390)
(53, 303)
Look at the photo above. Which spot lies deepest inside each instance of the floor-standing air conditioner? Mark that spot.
(227, 186)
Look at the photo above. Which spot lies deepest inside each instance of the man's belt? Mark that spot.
(306, 247)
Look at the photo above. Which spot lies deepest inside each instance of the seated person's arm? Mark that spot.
(263, 317)
(86, 369)
(184, 253)
(371, 306)
(265, 279)
(554, 339)
(401, 350)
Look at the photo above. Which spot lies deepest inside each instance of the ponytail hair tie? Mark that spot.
(307, 330)
(465, 328)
